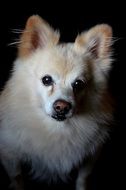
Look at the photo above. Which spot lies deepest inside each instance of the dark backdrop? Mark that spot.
(108, 172)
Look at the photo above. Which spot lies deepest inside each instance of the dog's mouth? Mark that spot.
(59, 117)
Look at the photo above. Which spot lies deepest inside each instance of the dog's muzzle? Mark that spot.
(61, 109)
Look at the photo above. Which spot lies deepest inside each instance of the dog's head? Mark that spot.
(68, 78)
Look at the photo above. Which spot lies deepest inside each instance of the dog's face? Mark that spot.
(62, 78)
(64, 73)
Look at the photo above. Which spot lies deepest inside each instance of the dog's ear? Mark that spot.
(37, 34)
(97, 41)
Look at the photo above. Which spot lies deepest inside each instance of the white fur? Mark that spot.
(27, 130)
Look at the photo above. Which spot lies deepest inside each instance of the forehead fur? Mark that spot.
(61, 58)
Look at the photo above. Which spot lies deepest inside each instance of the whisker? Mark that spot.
(20, 31)
(17, 31)
(16, 42)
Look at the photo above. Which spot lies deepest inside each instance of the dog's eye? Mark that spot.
(78, 85)
(47, 80)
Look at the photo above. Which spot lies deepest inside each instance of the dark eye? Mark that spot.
(78, 85)
(47, 80)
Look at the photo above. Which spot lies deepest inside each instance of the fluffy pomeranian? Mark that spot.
(55, 109)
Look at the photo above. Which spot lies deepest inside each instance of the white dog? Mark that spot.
(55, 108)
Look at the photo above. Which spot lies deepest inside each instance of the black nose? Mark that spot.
(62, 107)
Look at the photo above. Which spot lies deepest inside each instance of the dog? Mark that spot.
(55, 109)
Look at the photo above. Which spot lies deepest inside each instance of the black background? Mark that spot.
(71, 19)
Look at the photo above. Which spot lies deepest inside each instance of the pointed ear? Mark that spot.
(37, 34)
(97, 41)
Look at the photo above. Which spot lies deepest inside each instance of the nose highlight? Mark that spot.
(62, 106)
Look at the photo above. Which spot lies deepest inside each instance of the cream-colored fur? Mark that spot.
(27, 129)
